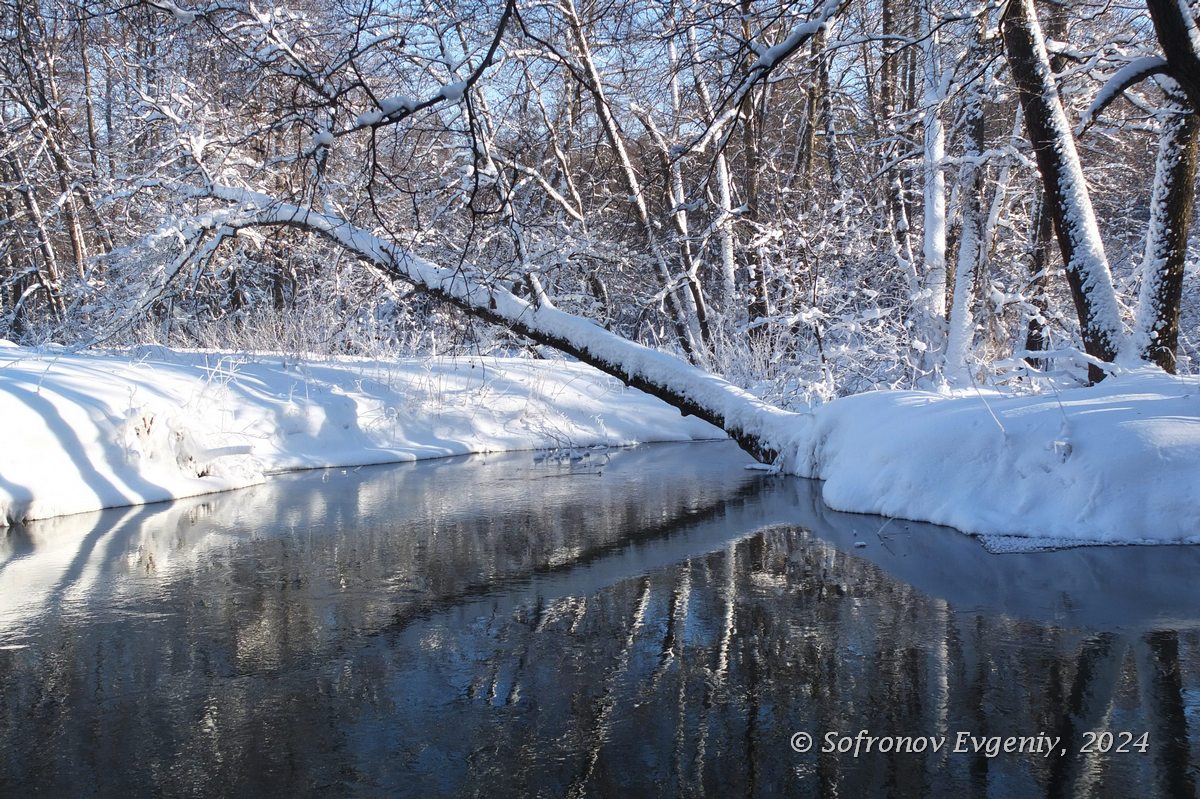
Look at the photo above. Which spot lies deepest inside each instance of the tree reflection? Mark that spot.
(509, 629)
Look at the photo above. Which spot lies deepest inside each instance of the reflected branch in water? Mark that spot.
(476, 629)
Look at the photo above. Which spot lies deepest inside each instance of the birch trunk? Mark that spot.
(935, 178)
(962, 323)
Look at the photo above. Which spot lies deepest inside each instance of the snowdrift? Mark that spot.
(1118, 462)
(1115, 463)
(84, 432)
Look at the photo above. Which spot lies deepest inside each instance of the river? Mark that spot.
(645, 622)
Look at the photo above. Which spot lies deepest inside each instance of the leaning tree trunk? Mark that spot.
(1037, 336)
(761, 429)
(1067, 197)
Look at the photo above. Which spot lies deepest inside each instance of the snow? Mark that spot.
(1114, 463)
(367, 118)
(89, 431)
(1105, 464)
(181, 15)
(770, 56)
(394, 105)
(1128, 75)
(454, 91)
(744, 416)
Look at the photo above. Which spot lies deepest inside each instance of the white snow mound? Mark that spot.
(1114, 463)
(84, 432)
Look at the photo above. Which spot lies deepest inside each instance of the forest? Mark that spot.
(809, 199)
(930, 265)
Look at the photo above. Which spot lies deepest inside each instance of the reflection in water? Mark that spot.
(649, 622)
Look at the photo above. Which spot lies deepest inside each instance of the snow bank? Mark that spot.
(1114, 463)
(83, 432)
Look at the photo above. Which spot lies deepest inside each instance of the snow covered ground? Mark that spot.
(83, 432)
(1116, 463)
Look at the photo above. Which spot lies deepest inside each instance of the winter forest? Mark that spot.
(811, 200)
(903, 294)
(750, 211)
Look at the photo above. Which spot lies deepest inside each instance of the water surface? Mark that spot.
(657, 621)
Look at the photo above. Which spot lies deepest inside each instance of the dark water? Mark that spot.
(645, 623)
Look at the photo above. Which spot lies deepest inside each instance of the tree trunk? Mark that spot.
(896, 212)
(837, 178)
(962, 325)
(1178, 34)
(724, 223)
(1156, 336)
(759, 428)
(1039, 262)
(760, 304)
(49, 275)
(1067, 195)
(934, 178)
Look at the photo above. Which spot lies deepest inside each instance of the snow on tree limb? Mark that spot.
(394, 109)
(767, 60)
(1129, 75)
(180, 14)
(1180, 40)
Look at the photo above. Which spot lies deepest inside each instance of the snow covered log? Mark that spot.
(759, 428)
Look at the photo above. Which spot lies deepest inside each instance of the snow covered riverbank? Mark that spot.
(83, 432)
(1116, 463)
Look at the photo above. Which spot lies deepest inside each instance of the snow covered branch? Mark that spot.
(768, 59)
(393, 109)
(1130, 75)
(1179, 37)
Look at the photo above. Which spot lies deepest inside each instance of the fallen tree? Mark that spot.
(759, 428)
